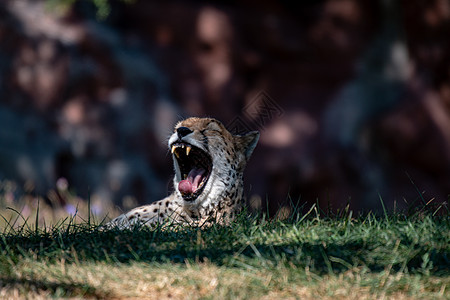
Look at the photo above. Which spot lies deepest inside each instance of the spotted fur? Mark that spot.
(223, 194)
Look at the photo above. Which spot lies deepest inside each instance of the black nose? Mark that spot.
(183, 131)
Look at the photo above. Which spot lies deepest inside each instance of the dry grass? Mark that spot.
(38, 280)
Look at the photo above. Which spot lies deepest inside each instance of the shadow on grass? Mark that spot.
(225, 246)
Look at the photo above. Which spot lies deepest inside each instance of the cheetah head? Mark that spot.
(208, 160)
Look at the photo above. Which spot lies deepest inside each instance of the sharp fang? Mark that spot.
(188, 149)
(174, 148)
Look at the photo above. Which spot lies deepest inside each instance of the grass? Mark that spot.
(305, 256)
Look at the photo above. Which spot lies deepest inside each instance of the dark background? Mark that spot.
(352, 98)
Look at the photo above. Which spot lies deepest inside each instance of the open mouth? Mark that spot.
(195, 167)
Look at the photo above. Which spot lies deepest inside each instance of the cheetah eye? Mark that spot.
(210, 130)
(215, 130)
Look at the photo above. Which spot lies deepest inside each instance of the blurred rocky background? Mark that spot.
(352, 98)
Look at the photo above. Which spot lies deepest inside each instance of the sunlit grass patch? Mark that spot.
(207, 280)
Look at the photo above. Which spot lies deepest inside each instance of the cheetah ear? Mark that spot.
(247, 142)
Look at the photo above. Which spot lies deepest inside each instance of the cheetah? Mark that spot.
(209, 162)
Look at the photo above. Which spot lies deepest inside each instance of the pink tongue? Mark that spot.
(190, 184)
